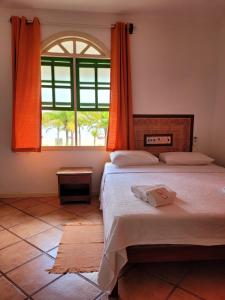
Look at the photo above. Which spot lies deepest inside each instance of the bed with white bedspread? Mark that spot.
(197, 216)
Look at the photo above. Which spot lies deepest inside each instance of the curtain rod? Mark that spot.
(99, 26)
(77, 24)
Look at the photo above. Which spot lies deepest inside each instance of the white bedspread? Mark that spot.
(196, 217)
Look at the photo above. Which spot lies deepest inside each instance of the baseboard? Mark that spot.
(28, 195)
(33, 195)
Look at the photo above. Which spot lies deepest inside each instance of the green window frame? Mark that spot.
(93, 85)
(53, 85)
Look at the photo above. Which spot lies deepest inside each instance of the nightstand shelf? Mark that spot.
(74, 184)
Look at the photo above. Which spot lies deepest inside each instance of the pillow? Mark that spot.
(124, 158)
(185, 158)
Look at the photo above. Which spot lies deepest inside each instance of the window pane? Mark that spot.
(87, 74)
(46, 94)
(68, 45)
(92, 50)
(56, 49)
(62, 84)
(87, 85)
(62, 95)
(58, 128)
(62, 73)
(104, 85)
(92, 128)
(103, 96)
(87, 96)
(47, 105)
(80, 46)
(46, 73)
(46, 83)
(103, 75)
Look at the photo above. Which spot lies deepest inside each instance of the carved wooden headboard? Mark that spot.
(163, 133)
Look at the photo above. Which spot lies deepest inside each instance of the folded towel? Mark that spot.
(157, 195)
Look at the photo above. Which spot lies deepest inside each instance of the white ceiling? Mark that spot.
(118, 6)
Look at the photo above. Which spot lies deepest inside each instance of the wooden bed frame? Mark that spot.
(171, 253)
(181, 127)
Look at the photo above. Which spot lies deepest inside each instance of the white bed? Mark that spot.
(197, 216)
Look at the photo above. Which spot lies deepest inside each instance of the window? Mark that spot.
(93, 84)
(57, 83)
(75, 75)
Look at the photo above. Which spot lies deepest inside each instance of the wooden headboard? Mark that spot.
(163, 133)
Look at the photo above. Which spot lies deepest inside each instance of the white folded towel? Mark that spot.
(157, 195)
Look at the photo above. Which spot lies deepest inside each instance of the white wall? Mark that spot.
(218, 120)
(174, 68)
(173, 71)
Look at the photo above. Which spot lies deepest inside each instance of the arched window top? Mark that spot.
(74, 44)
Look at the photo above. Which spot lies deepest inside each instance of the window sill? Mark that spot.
(73, 148)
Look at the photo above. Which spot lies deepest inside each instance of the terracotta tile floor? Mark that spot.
(30, 231)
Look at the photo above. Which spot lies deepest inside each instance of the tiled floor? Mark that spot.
(30, 231)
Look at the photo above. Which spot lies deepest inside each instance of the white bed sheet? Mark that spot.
(196, 217)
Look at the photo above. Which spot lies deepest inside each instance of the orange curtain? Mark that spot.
(120, 130)
(26, 64)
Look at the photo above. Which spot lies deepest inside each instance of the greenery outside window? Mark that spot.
(75, 95)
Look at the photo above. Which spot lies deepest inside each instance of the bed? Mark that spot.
(137, 232)
(193, 228)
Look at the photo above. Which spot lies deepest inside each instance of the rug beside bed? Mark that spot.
(80, 249)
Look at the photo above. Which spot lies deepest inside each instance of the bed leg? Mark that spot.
(114, 293)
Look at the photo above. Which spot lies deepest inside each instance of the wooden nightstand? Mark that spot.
(74, 184)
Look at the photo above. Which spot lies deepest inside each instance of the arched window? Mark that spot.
(74, 44)
(75, 75)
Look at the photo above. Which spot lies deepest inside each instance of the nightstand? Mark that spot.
(74, 184)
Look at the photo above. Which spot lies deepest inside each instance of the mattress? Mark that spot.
(197, 216)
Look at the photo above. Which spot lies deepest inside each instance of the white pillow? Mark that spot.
(123, 158)
(185, 158)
